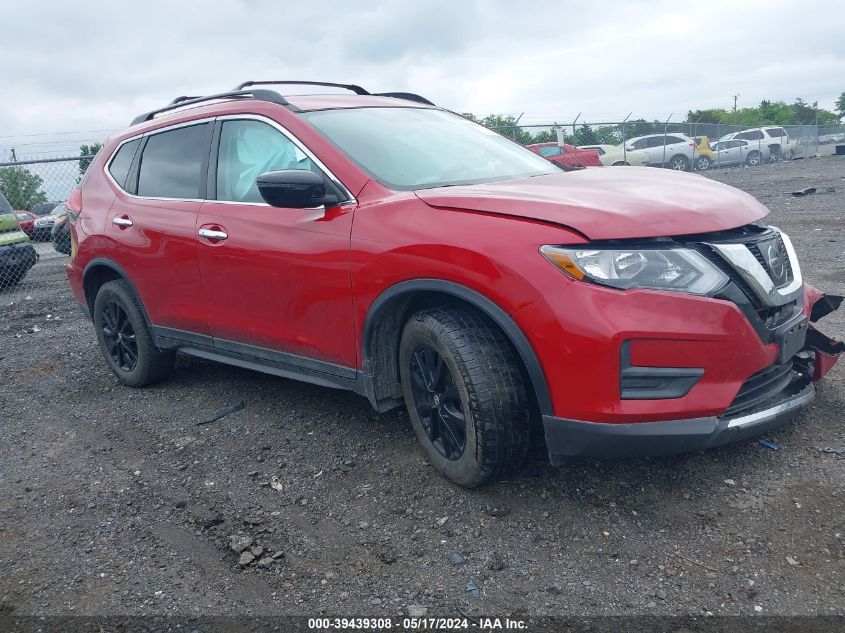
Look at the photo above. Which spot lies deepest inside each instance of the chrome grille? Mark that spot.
(754, 267)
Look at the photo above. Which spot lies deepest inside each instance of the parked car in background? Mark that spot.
(566, 155)
(772, 142)
(614, 155)
(704, 155)
(734, 152)
(837, 137)
(60, 233)
(43, 227)
(26, 220)
(675, 151)
(44, 208)
(17, 255)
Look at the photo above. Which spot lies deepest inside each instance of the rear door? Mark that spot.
(277, 281)
(152, 223)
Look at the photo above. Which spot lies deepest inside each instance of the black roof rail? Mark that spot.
(183, 98)
(408, 96)
(358, 90)
(179, 102)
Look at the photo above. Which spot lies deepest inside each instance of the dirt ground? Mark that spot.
(113, 500)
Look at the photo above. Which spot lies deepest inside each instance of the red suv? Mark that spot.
(380, 244)
(567, 155)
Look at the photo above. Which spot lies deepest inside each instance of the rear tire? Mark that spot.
(753, 158)
(702, 163)
(125, 338)
(465, 393)
(679, 163)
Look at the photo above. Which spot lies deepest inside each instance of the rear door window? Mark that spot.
(172, 163)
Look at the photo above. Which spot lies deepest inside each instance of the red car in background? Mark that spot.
(566, 155)
(26, 220)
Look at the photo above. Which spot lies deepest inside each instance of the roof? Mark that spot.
(309, 103)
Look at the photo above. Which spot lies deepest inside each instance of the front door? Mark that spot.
(276, 280)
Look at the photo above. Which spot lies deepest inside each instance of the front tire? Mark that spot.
(679, 163)
(465, 393)
(125, 338)
(702, 163)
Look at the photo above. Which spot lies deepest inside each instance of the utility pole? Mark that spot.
(736, 96)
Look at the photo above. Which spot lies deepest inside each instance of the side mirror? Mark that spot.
(294, 189)
(629, 148)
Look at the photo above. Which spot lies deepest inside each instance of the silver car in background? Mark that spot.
(735, 152)
(672, 150)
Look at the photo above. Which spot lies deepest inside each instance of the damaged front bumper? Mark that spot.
(826, 351)
(567, 439)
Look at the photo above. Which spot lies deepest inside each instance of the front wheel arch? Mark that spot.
(387, 316)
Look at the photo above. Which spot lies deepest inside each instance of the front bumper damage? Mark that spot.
(568, 439)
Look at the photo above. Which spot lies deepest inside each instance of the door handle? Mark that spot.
(211, 234)
(123, 221)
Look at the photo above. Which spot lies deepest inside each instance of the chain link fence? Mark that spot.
(681, 145)
(34, 237)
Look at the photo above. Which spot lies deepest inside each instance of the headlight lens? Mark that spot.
(678, 269)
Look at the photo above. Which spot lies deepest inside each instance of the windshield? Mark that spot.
(5, 207)
(418, 148)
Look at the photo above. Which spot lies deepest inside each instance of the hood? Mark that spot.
(610, 202)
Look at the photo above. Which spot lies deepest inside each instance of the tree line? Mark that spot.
(767, 113)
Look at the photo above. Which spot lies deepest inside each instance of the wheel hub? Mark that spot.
(438, 402)
(119, 337)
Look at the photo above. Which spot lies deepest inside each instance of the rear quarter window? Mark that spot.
(122, 161)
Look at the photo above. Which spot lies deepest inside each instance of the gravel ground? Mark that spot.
(307, 502)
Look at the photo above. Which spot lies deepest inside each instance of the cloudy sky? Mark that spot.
(74, 71)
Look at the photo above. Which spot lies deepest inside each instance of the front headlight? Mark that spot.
(678, 269)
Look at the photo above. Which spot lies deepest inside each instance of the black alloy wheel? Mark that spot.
(437, 402)
(119, 336)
